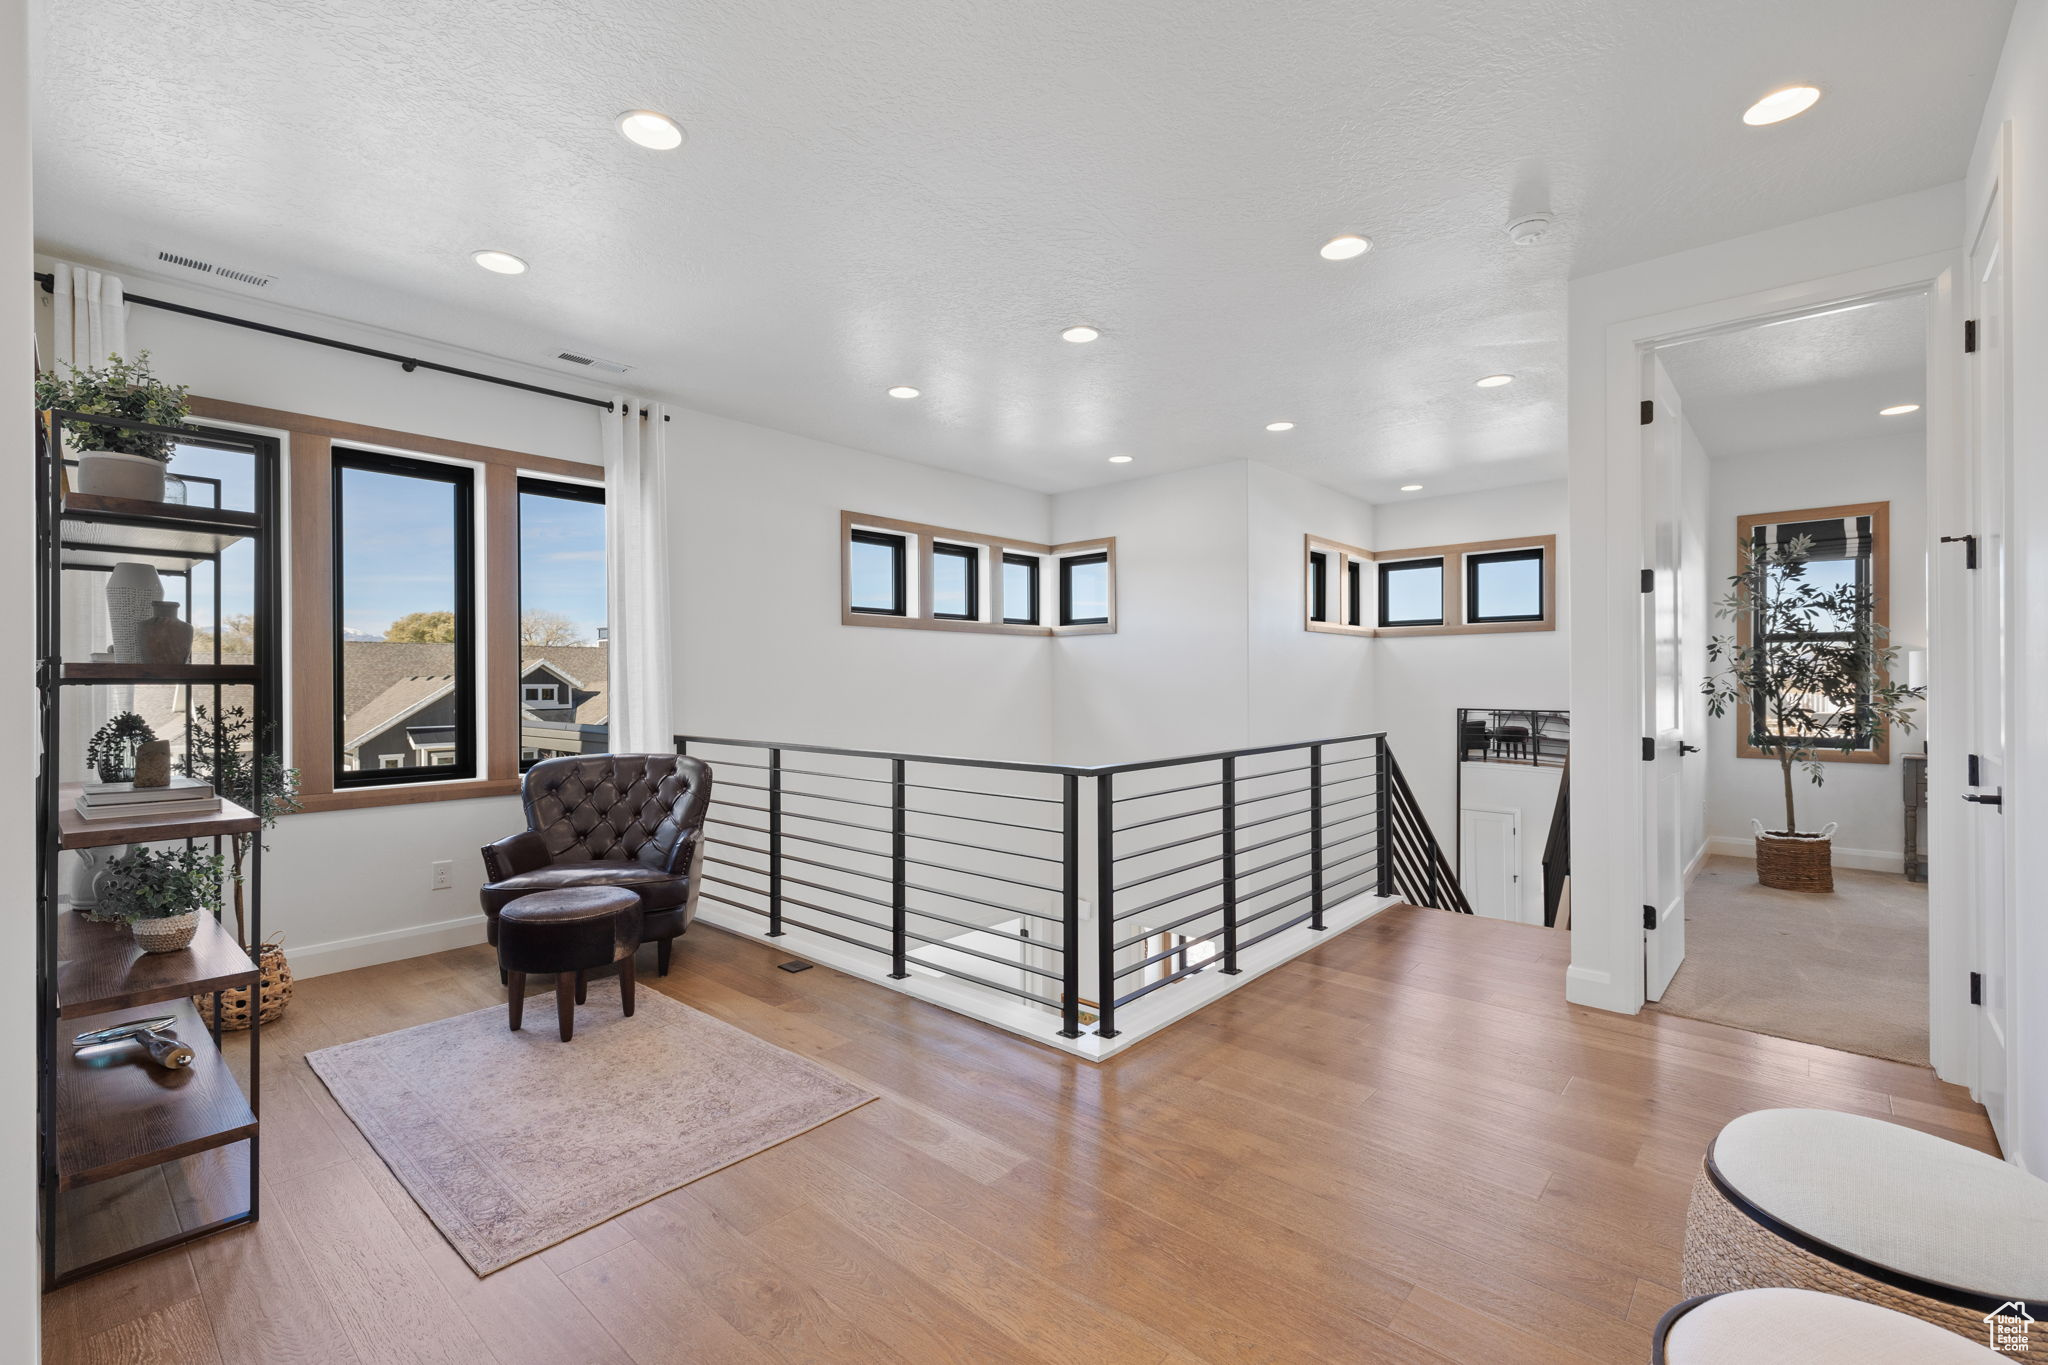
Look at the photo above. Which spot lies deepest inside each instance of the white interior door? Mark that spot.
(1989, 458)
(1663, 681)
(1490, 861)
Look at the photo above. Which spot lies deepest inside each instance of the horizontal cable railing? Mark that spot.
(973, 870)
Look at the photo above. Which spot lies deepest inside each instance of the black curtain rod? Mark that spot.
(404, 362)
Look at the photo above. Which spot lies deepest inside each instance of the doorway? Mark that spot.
(1514, 846)
(1802, 437)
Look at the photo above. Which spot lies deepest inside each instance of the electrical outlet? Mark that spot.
(443, 877)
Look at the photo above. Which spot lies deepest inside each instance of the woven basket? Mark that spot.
(1726, 1250)
(275, 985)
(166, 935)
(1795, 862)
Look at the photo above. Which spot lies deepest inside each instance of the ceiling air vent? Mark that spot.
(221, 271)
(591, 362)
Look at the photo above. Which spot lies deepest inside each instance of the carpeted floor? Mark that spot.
(1846, 970)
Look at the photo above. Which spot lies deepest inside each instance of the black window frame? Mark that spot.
(1319, 586)
(1354, 582)
(569, 492)
(1068, 563)
(891, 540)
(1473, 563)
(1036, 564)
(1390, 567)
(971, 557)
(462, 479)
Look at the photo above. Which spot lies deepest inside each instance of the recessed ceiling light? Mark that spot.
(657, 132)
(1346, 247)
(1899, 410)
(1080, 334)
(1780, 105)
(1411, 488)
(903, 391)
(1119, 459)
(500, 262)
(1279, 426)
(1494, 381)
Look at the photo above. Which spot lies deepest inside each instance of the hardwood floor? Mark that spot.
(1403, 1147)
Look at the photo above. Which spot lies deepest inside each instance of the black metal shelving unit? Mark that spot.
(133, 1159)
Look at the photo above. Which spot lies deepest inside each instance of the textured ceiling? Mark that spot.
(1805, 381)
(896, 193)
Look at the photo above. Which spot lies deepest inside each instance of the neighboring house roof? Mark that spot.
(369, 669)
(549, 667)
(397, 701)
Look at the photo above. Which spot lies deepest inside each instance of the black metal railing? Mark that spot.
(1557, 850)
(974, 869)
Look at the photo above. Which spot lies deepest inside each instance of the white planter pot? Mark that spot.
(133, 590)
(111, 474)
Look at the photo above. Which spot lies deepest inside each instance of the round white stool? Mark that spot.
(1801, 1327)
(1814, 1199)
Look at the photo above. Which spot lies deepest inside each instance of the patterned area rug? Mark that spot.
(512, 1142)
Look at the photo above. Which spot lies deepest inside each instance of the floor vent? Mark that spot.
(593, 363)
(221, 271)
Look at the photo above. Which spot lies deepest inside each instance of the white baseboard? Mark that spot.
(1699, 860)
(393, 945)
(1863, 859)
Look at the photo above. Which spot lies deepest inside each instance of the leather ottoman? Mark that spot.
(567, 933)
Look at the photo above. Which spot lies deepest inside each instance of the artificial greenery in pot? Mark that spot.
(114, 461)
(1814, 665)
(111, 751)
(161, 894)
(225, 751)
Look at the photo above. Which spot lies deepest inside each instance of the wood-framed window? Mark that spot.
(315, 625)
(909, 575)
(1482, 587)
(1337, 587)
(1851, 545)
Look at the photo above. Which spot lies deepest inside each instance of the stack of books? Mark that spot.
(126, 801)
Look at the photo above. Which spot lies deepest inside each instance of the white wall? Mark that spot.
(1909, 239)
(2019, 97)
(19, 1259)
(1420, 681)
(1302, 684)
(760, 651)
(1864, 798)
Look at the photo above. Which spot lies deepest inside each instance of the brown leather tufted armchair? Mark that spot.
(630, 820)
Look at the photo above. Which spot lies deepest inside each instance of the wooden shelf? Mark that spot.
(100, 532)
(175, 674)
(75, 831)
(97, 508)
(117, 1115)
(100, 968)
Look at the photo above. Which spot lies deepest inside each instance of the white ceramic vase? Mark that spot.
(133, 590)
(111, 474)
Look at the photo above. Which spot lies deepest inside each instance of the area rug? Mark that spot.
(1846, 969)
(512, 1142)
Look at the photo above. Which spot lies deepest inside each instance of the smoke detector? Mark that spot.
(591, 362)
(1530, 230)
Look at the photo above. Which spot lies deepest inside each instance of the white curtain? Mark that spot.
(636, 553)
(91, 316)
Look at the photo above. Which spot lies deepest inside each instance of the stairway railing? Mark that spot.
(1557, 850)
(973, 871)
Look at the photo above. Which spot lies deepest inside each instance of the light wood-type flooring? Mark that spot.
(1404, 1146)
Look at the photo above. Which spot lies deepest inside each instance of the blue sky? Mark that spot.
(561, 560)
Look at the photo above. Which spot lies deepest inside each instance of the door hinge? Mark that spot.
(1972, 767)
(1649, 749)
(1969, 544)
(1969, 336)
(1649, 917)
(1649, 580)
(1976, 988)
(1649, 411)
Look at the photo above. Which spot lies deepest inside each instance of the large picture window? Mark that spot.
(1848, 548)
(564, 645)
(404, 620)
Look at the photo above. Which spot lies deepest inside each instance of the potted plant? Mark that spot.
(111, 750)
(1815, 668)
(114, 461)
(161, 894)
(225, 751)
